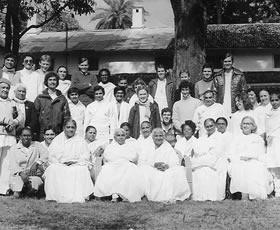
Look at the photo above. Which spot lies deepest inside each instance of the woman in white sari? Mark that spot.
(120, 176)
(248, 173)
(68, 177)
(165, 179)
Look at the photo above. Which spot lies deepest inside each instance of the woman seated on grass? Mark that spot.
(247, 171)
(68, 178)
(120, 177)
(165, 179)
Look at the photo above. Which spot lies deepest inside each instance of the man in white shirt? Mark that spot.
(162, 89)
(209, 109)
(104, 77)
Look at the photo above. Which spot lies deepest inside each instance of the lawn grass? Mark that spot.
(39, 214)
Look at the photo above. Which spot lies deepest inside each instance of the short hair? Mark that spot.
(146, 122)
(48, 128)
(119, 130)
(90, 127)
(10, 55)
(209, 119)
(142, 88)
(189, 123)
(222, 118)
(209, 91)
(104, 70)
(264, 89)
(207, 65)
(118, 88)
(25, 128)
(275, 92)
(125, 124)
(82, 59)
(228, 54)
(62, 66)
(184, 71)
(20, 85)
(46, 57)
(245, 100)
(250, 90)
(157, 130)
(72, 90)
(98, 87)
(67, 120)
(49, 75)
(166, 110)
(122, 77)
(27, 55)
(160, 65)
(255, 127)
(185, 84)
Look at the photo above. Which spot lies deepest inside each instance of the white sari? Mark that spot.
(168, 185)
(68, 184)
(119, 175)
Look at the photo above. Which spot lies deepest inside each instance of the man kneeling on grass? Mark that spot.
(27, 164)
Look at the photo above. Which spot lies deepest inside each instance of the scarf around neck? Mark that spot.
(147, 107)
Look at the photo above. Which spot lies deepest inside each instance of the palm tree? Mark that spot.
(118, 15)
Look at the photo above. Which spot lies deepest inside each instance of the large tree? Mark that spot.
(19, 11)
(190, 35)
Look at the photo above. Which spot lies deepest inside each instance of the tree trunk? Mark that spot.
(12, 26)
(190, 35)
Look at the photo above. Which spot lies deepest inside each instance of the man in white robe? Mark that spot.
(209, 109)
(68, 177)
(28, 160)
(104, 75)
(209, 165)
(165, 179)
(8, 122)
(77, 110)
(120, 176)
(118, 110)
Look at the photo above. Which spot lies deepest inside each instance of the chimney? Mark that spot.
(137, 18)
(33, 21)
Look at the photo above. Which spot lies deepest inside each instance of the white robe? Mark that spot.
(273, 138)
(261, 113)
(119, 175)
(236, 118)
(168, 185)
(97, 115)
(185, 147)
(117, 119)
(209, 168)
(250, 176)
(77, 112)
(109, 91)
(204, 112)
(68, 184)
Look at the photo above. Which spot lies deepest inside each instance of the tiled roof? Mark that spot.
(231, 36)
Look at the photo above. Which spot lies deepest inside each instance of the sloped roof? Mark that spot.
(231, 36)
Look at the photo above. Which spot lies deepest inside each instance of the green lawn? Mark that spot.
(39, 214)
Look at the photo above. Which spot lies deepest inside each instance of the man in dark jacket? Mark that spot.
(162, 89)
(228, 83)
(27, 108)
(52, 106)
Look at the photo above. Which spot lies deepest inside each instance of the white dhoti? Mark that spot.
(67, 184)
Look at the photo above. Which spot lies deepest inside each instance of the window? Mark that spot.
(276, 61)
(93, 63)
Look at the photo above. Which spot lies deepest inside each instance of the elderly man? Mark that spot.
(68, 178)
(209, 109)
(165, 178)
(209, 165)
(27, 164)
(9, 119)
(27, 109)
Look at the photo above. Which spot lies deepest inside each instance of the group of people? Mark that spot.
(71, 140)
